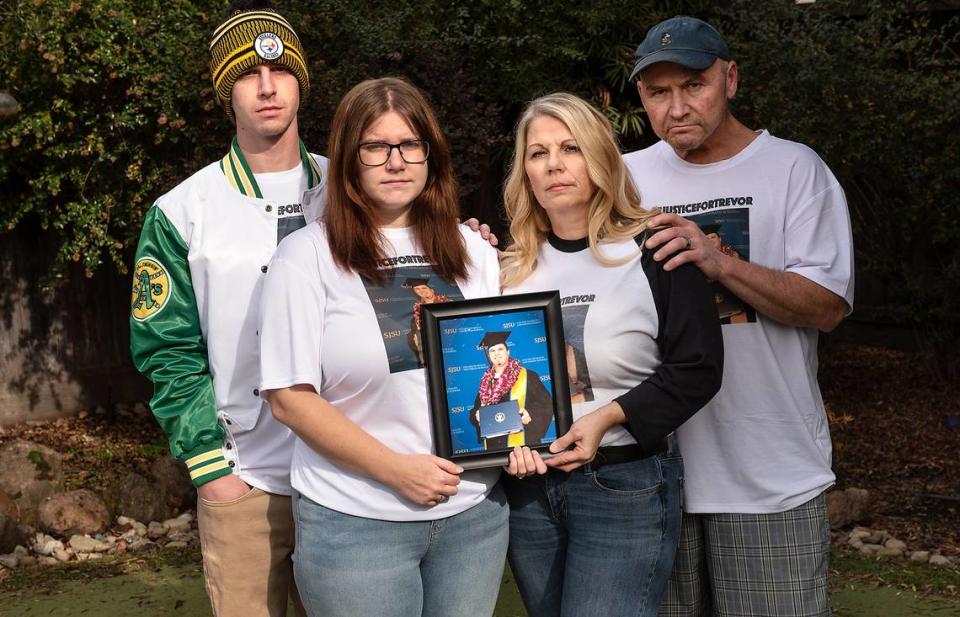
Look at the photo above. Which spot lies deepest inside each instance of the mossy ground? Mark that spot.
(165, 583)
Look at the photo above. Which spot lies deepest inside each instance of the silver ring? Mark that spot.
(688, 241)
(442, 499)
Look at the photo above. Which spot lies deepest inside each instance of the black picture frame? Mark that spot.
(458, 366)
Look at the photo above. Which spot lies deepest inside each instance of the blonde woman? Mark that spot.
(593, 530)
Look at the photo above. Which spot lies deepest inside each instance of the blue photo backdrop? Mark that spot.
(464, 363)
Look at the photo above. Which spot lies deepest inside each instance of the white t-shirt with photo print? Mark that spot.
(318, 326)
(763, 444)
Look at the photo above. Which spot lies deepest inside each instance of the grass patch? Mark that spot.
(859, 587)
(848, 567)
(47, 579)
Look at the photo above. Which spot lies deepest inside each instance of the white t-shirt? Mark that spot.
(634, 333)
(350, 340)
(763, 443)
(286, 188)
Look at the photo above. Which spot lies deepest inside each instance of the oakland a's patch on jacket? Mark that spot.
(151, 288)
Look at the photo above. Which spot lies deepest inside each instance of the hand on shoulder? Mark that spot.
(682, 241)
(483, 229)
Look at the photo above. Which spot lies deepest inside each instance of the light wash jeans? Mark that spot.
(347, 566)
(602, 542)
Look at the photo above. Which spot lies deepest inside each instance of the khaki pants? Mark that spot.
(247, 545)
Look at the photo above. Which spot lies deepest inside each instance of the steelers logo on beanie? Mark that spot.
(249, 38)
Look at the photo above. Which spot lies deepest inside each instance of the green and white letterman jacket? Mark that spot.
(200, 264)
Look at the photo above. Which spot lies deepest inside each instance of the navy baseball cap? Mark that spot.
(683, 40)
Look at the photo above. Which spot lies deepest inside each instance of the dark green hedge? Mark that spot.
(117, 104)
(114, 109)
(874, 87)
(117, 107)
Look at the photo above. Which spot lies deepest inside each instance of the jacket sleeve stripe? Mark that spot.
(208, 469)
(194, 461)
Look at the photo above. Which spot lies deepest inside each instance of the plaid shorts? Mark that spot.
(752, 565)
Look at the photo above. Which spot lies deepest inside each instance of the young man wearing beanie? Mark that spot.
(204, 250)
(755, 537)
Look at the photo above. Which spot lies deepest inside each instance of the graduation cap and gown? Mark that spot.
(411, 282)
(414, 338)
(522, 385)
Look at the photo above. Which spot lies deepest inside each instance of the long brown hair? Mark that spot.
(355, 241)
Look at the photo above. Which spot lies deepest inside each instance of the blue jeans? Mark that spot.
(599, 542)
(351, 566)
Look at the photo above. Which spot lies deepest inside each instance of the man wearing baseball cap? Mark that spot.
(203, 252)
(755, 537)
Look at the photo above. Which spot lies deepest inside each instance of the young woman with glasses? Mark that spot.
(383, 527)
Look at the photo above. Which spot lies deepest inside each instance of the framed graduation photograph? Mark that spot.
(497, 376)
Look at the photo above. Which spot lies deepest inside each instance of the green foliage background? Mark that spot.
(117, 108)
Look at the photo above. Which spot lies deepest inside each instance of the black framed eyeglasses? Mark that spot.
(376, 153)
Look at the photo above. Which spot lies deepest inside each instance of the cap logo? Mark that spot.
(665, 40)
(268, 46)
(499, 416)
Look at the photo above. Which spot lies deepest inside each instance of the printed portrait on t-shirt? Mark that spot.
(284, 189)
(574, 316)
(729, 231)
(397, 304)
(289, 219)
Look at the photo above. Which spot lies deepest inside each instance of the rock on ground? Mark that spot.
(8, 506)
(174, 480)
(74, 512)
(850, 506)
(897, 544)
(46, 545)
(27, 560)
(941, 561)
(10, 534)
(30, 473)
(870, 549)
(886, 551)
(868, 536)
(138, 498)
(156, 530)
(178, 524)
(86, 544)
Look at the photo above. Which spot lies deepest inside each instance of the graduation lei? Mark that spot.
(493, 389)
(438, 298)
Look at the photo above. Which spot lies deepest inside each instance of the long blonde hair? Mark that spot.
(614, 212)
